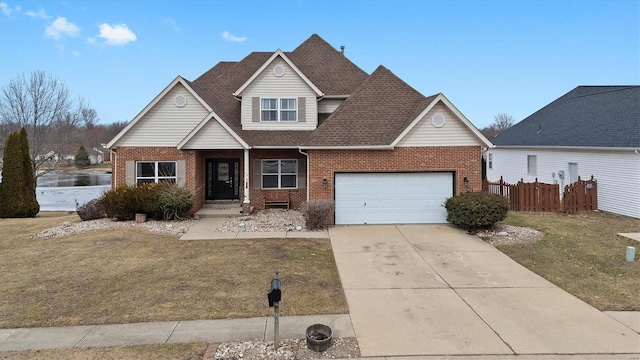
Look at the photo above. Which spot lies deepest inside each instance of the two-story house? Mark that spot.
(311, 124)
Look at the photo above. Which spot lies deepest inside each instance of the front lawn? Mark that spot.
(583, 255)
(190, 351)
(129, 275)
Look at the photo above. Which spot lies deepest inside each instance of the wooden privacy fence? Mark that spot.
(580, 196)
(535, 196)
(541, 197)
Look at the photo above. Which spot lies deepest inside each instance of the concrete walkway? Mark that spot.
(433, 290)
(210, 331)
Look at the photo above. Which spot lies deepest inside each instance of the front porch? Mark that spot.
(220, 210)
(238, 181)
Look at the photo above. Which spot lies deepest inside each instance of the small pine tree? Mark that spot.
(82, 158)
(18, 185)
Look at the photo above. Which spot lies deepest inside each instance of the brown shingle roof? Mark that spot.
(379, 108)
(326, 67)
(375, 114)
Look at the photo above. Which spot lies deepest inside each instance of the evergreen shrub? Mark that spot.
(476, 210)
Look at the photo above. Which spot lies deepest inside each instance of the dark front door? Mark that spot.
(222, 181)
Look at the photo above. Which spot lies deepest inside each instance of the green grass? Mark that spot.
(129, 275)
(583, 255)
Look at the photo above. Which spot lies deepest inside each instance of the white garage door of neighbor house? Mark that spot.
(392, 198)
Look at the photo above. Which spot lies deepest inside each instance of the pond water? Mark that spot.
(66, 191)
(71, 179)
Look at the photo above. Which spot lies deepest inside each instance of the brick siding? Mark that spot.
(463, 161)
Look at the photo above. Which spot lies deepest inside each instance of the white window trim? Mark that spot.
(278, 110)
(531, 171)
(490, 161)
(279, 174)
(157, 177)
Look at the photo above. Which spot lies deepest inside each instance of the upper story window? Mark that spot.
(155, 172)
(490, 162)
(278, 109)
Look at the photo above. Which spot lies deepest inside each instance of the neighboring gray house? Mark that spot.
(591, 130)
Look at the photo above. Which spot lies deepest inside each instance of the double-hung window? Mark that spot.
(532, 166)
(278, 110)
(279, 174)
(155, 172)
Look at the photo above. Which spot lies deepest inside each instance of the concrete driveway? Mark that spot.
(434, 290)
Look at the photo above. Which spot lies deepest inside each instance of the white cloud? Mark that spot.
(75, 53)
(4, 7)
(91, 40)
(37, 14)
(60, 28)
(172, 23)
(230, 37)
(116, 35)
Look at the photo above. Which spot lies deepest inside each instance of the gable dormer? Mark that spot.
(279, 97)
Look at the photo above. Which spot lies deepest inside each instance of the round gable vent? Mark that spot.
(278, 70)
(180, 101)
(437, 120)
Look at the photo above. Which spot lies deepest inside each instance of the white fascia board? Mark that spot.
(212, 115)
(337, 97)
(360, 147)
(178, 80)
(456, 112)
(238, 93)
(577, 148)
(275, 147)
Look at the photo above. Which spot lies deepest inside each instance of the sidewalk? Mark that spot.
(210, 331)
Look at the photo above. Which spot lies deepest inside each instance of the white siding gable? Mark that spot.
(617, 173)
(327, 106)
(166, 124)
(290, 85)
(453, 133)
(212, 136)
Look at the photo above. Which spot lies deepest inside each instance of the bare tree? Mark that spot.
(40, 104)
(501, 122)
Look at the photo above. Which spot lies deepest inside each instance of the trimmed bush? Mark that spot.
(146, 200)
(476, 210)
(163, 201)
(173, 201)
(120, 203)
(92, 210)
(318, 214)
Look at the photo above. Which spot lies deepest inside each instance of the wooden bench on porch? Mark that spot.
(276, 198)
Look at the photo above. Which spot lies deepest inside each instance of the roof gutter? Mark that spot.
(540, 147)
(359, 147)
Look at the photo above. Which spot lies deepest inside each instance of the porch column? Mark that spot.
(246, 176)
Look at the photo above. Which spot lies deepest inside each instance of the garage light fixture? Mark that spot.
(325, 183)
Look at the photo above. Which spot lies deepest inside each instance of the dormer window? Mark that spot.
(279, 110)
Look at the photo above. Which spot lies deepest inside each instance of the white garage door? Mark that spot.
(392, 198)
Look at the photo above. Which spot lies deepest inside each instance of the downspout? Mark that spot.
(307, 156)
(115, 168)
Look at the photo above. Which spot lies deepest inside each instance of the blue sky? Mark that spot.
(487, 57)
